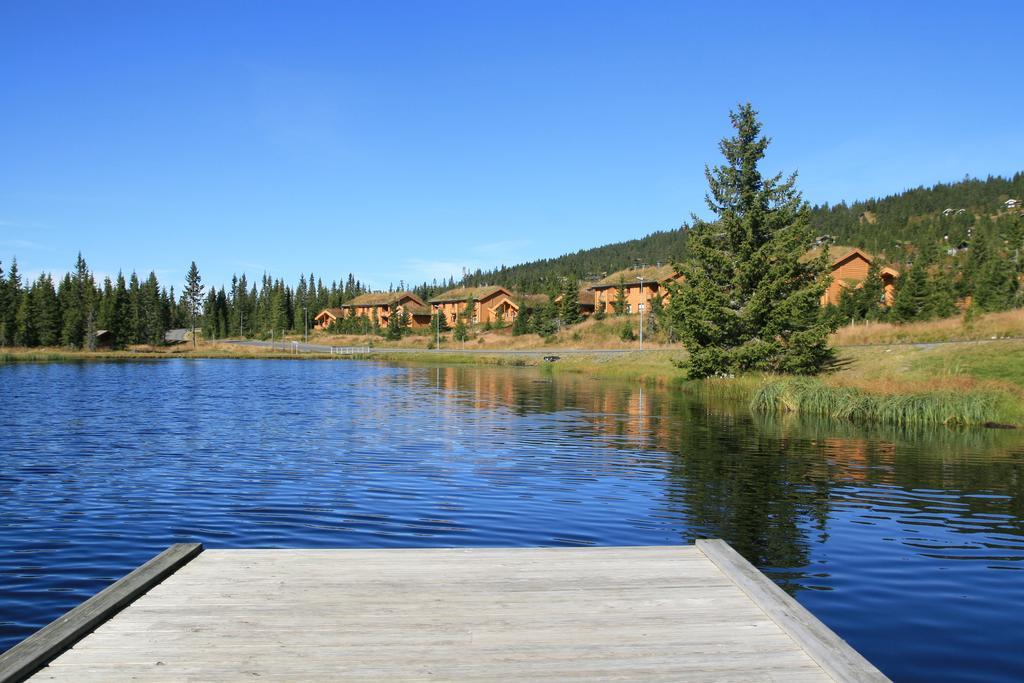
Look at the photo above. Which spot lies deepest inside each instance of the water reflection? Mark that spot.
(896, 538)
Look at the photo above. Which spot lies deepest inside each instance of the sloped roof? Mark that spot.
(417, 309)
(382, 299)
(632, 275)
(463, 293)
(586, 296)
(333, 312)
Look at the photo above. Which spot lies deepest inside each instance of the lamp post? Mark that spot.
(437, 324)
(641, 307)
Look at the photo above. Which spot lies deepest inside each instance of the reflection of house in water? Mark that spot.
(857, 459)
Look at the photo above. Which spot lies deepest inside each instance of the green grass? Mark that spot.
(1000, 361)
(942, 407)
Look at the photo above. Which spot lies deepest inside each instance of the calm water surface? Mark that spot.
(910, 545)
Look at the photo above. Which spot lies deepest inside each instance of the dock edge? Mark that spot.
(822, 644)
(36, 651)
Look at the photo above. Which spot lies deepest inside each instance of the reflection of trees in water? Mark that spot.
(765, 483)
(734, 481)
(975, 461)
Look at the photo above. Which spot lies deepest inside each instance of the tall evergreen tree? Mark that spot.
(25, 320)
(521, 324)
(619, 306)
(192, 296)
(749, 300)
(912, 296)
(77, 297)
(461, 333)
(120, 324)
(9, 314)
(47, 311)
(569, 307)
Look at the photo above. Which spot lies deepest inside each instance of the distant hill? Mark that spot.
(923, 213)
(878, 225)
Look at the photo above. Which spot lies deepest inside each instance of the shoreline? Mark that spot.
(925, 383)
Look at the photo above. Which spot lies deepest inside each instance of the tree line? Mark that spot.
(70, 311)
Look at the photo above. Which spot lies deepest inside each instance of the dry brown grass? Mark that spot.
(1007, 324)
(589, 334)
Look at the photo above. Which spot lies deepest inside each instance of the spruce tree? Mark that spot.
(192, 297)
(521, 323)
(619, 306)
(77, 306)
(3, 306)
(569, 307)
(749, 300)
(25, 320)
(461, 333)
(47, 310)
(870, 296)
(941, 293)
(912, 296)
(121, 319)
(394, 329)
(9, 314)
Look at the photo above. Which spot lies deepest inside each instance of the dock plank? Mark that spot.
(483, 614)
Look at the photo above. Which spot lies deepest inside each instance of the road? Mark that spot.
(323, 348)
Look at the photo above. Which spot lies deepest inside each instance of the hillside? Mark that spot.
(879, 224)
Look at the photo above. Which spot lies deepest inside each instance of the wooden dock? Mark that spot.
(633, 613)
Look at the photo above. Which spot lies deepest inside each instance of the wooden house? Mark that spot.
(849, 272)
(640, 285)
(380, 306)
(586, 298)
(326, 318)
(490, 304)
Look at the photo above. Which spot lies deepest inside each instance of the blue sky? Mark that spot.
(407, 140)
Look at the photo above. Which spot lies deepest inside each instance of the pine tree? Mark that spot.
(912, 297)
(47, 311)
(569, 307)
(620, 297)
(3, 305)
(77, 298)
(461, 333)
(192, 297)
(870, 296)
(521, 323)
(135, 311)
(121, 319)
(749, 300)
(25, 320)
(395, 328)
(9, 314)
(941, 293)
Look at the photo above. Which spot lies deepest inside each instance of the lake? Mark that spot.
(908, 543)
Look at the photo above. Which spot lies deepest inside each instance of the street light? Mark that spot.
(641, 307)
(437, 324)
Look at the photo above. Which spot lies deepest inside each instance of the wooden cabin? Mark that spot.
(849, 272)
(326, 318)
(639, 284)
(380, 306)
(490, 304)
(586, 298)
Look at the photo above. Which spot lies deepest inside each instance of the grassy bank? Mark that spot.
(952, 384)
(903, 381)
(59, 355)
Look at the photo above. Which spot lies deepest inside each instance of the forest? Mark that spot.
(953, 243)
